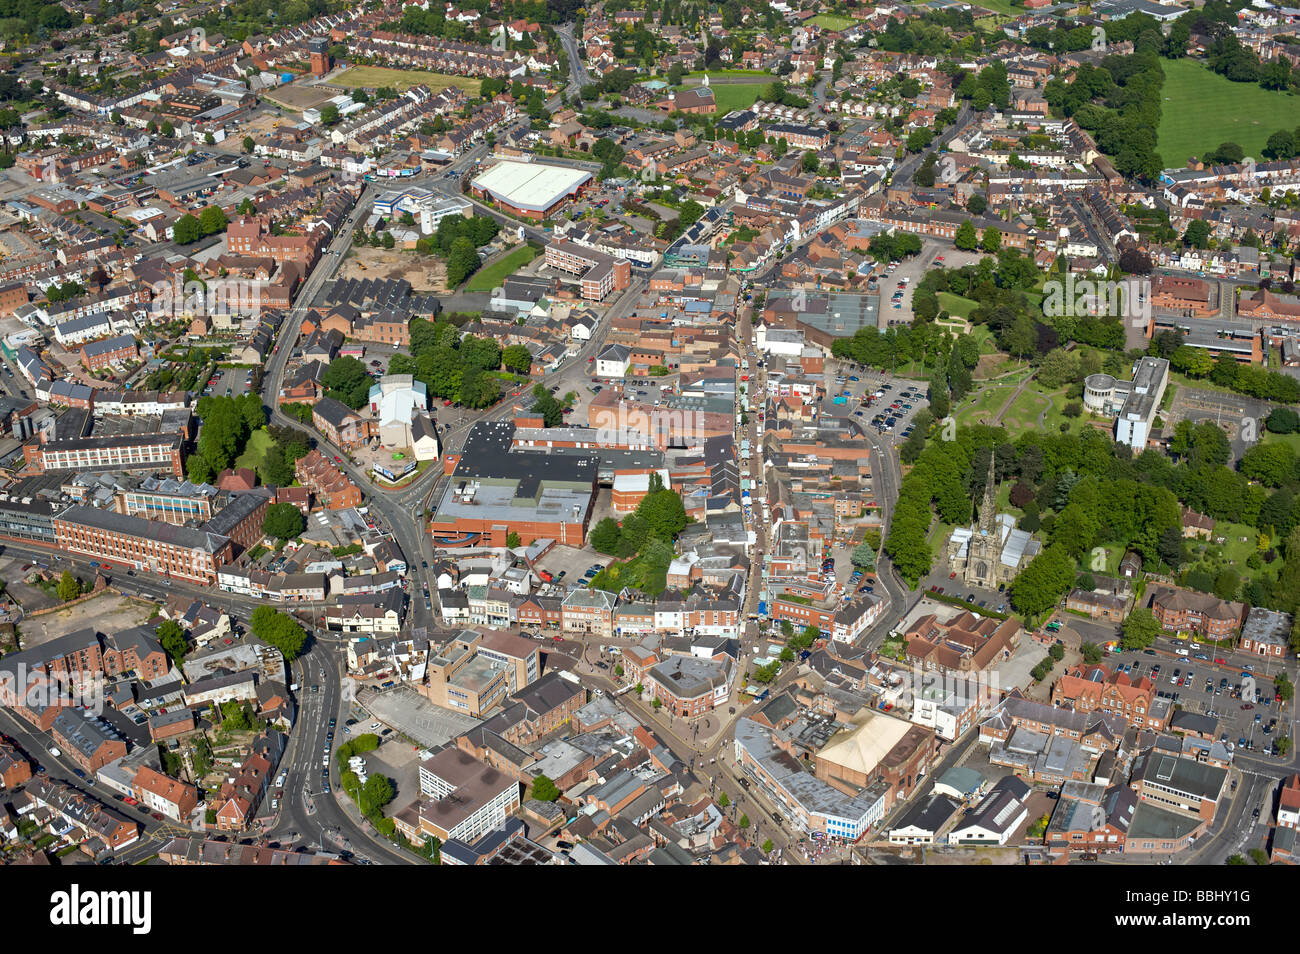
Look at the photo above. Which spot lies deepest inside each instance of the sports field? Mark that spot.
(374, 77)
(1201, 110)
(829, 21)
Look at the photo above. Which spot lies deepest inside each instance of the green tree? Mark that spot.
(69, 587)
(863, 556)
(283, 521)
(249, 144)
(187, 230)
(347, 380)
(172, 639)
(329, 114)
(276, 629)
(512, 540)
(1140, 629)
(604, 536)
(545, 790)
(516, 358)
(965, 238)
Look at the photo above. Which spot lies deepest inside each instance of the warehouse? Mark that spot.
(530, 189)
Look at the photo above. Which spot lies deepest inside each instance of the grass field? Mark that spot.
(1271, 438)
(377, 76)
(488, 278)
(255, 450)
(984, 407)
(731, 96)
(829, 21)
(1202, 109)
(956, 304)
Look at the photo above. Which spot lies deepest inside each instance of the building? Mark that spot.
(1133, 403)
(690, 686)
(115, 350)
(1098, 689)
(966, 643)
(1183, 786)
(533, 190)
(88, 740)
(998, 815)
(154, 453)
(495, 490)
(1266, 633)
(183, 552)
(993, 551)
(811, 805)
(1186, 611)
(599, 275)
(340, 425)
(461, 798)
(161, 793)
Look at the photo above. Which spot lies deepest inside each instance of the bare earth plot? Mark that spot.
(106, 613)
(373, 77)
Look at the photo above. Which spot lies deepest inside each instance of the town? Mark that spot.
(778, 433)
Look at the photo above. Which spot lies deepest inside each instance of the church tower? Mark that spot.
(986, 542)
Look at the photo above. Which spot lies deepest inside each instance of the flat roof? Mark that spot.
(530, 185)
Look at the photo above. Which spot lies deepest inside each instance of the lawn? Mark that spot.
(956, 304)
(829, 21)
(1023, 414)
(1202, 109)
(984, 407)
(491, 276)
(255, 450)
(374, 77)
(1268, 437)
(731, 96)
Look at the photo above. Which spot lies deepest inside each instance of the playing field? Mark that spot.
(828, 21)
(1201, 110)
(374, 77)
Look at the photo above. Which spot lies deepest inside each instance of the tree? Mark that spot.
(512, 540)
(1091, 653)
(329, 114)
(187, 230)
(992, 240)
(172, 639)
(744, 821)
(249, 144)
(516, 358)
(276, 629)
(723, 800)
(604, 536)
(1140, 629)
(69, 587)
(545, 790)
(965, 239)
(863, 556)
(347, 380)
(462, 261)
(283, 521)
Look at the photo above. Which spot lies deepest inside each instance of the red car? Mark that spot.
(338, 460)
(447, 403)
(557, 639)
(130, 801)
(1220, 662)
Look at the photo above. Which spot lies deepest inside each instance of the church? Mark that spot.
(992, 551)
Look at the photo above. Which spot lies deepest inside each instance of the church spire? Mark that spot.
(988, 511)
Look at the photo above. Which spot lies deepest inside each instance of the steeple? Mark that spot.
(988, 510)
